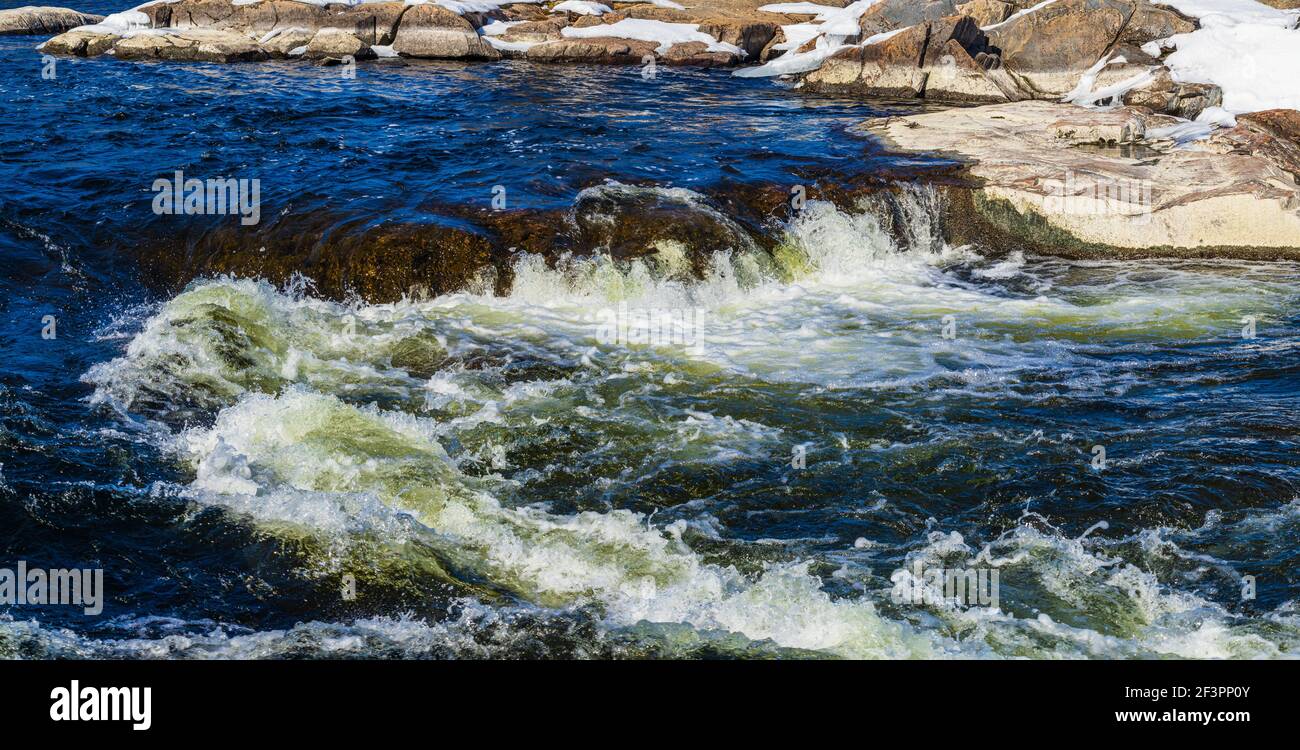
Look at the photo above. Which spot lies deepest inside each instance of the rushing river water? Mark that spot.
(262, 472)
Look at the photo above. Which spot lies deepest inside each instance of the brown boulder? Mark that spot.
(372, 23)
(955, 76)
(697, 54)
(1273, 134)
(538, 31)
(381, 264)
(1047, 51)
(986, 12)
(42, 19)
(888, 15)
(751, 36)
(434, 32)
(191, 14)
(945, 60)
(1165, 96)
(256, 20)
(890, 68)
(190, 45)
(1150, 22)
(281, 42)
(80, 44)
(605, 50)
(337, 44)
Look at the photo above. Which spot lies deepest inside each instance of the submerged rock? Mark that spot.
(378, 263)
(42, 19)
(626, 221)
(677, 231)
(1090, 183)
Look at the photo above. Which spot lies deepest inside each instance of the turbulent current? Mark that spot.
(263, 472)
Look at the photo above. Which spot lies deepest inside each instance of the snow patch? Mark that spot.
(796, 9)
(1256, 65)
(666, 34)
(1189, 131)
(582, 8)
(505, 46)
(832, 29)
(661, 4)
(1108, 96)
(497, 28)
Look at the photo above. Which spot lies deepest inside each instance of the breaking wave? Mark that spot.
(551, 476)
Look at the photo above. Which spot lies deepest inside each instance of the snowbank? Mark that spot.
(1248, 49)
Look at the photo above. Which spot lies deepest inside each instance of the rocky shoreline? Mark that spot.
(1076, 182)
(1089, 140)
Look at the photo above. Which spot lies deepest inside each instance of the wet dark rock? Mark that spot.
(630, 222)
(473, 248)
(751, 36)
(378, 263)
